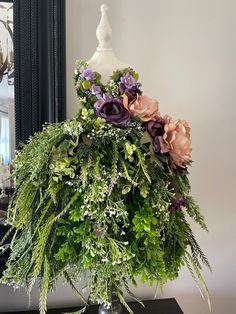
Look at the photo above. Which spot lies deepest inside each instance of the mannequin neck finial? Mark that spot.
(104, 59)
(104, 31)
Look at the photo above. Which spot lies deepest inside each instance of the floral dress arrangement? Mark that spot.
(105, 196)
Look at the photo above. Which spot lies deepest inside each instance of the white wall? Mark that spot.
(185, 52)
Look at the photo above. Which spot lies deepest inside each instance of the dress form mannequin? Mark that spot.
(104, 61)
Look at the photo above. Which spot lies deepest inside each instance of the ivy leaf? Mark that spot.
(86, 84)
(97, 77)
(126, 189)
(55, 178)
(154, 221)
(146, 138)
(87, 141)
(136, 76)
(144, 190)
(152, 153)
(99, 121)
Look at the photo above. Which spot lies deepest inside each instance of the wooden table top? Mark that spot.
(162, 306)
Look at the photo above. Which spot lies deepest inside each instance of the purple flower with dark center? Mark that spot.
(95, 90)
(101, 100)
(114, 112)
(179, 171)
(88, 75)
(131, 93)
(128, 80)
(155, 129)
(156, 144)
(98, 103)
(177, 203)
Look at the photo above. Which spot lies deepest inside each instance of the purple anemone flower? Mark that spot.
(88, 75)
(177, 203)
(98, 103)
(155, 129)
(156, 144)
(130, 93)
(101, 100)
(95, 90)
(114, 112)
(128, 81)
(180, 171)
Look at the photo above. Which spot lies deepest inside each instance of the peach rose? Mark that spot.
(176, 141)
(144, 108)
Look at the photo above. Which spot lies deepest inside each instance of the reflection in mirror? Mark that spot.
(7, 125)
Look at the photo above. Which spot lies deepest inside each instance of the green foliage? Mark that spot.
(44, 286)
(94, 198)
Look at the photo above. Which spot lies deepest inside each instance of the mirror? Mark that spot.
(32, 77)
(7, 108)
(32, 81)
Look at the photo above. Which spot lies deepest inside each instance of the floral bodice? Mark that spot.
(121, 103)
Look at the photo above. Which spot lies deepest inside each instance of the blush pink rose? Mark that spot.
(176, 141)
(145, 108)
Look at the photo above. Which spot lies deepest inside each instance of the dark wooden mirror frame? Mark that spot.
(39, 54)
(40, 75)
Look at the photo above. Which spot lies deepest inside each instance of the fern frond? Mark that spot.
(52, 190)
(14, 238)
(6, 235)
(44, 286)
(193, 276)
(126, 173)
(77, 312)
(194, 211)
(199, 275)
(73, 287)
(86, 164)
(131, 293)
(142, 164)
(67, 207)
(41, 218)
(39, 249)
(19, 214)
(201, 279)
(115, 157)
(123, 302)
(197, 252)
